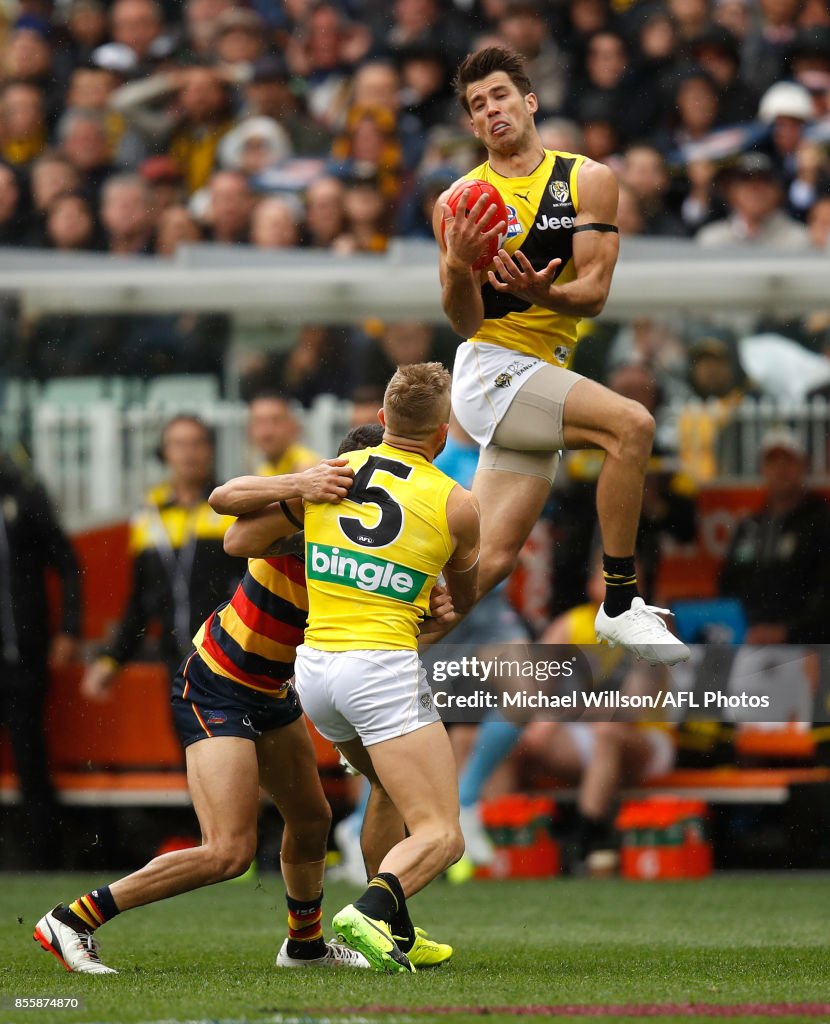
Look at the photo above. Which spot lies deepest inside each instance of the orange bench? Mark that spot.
(124, 750)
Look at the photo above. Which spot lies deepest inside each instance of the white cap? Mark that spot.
(786, 99)
(115, 57)
(782, 439)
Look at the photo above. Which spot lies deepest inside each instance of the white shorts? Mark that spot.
(376, 695)
(661, 757)
(485, 380)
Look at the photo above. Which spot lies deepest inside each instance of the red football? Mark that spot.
(477, 188)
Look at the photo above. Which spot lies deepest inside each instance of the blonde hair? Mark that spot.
(417, 400)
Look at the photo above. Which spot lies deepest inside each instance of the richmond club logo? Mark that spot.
(503, 380)
(559, 191)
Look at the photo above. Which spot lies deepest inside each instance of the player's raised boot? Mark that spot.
(336, 955)
(76, 949)
(641, 631)
(371, 938)
(426, 952)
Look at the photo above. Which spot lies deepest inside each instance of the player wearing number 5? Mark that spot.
(512, 388)
(371, 562)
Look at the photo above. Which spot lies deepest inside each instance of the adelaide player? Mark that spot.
(513, 391)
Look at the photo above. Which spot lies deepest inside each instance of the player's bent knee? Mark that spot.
(231, 861)
(496, 565)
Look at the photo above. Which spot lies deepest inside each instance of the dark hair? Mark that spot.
(184, 417)
(367, 435)
(482, 63)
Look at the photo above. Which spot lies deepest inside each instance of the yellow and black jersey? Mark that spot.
(372, 559)
(253, 639)
(542, 208)
(180, 573)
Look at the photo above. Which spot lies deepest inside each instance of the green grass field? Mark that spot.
(208, 956)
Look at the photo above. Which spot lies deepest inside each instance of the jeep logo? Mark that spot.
(554, 223)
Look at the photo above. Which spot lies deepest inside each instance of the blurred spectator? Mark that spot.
(702, 202)
(231, 203)
(320, 363)
(200, 20)
(707, 434)
(256, 144)
(756, 216)
(137, 24)
(241, 37)
(630, 102)
(690, 16)
(766, 46)
(28, 58)
(734, 15)
(811, 178)
(175, 227)
(365, 400)
(70, 224)
(85, 30)
(269, 93)
(401, 343)
(426, 94)
(630, 219)
(366, 219)
(126, 215)
(696, 108)
(13, 216)
(524, 27)
(180, 570)
(192, 130)
(22, 123)
(369, 147)
(83, 138)
(274, 431)
(425, 23)
(561, 134)
(787, 108)
(275, 225)
(778, 562)
(323, 51)
(325, 216)
(644, 172)
(718, 52)
(809, 55)
(164, 181)
(52, 174)
(32, 542)
(818, 224)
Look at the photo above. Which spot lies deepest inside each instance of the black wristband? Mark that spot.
(289, 515)
(612, 228)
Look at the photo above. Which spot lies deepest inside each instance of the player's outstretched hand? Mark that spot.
(328, 481)
(518, 277)
(467, 235)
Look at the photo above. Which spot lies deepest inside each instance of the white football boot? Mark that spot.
(336, 955)
(76, 950)
(641, 631)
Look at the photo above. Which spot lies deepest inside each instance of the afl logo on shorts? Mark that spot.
(559, 191)
(514, 225)
(216, 717)
(426, 702)
(503, 380)
(562, 354)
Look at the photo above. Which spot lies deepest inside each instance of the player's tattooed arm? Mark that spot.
(253, 535)
(327, 481)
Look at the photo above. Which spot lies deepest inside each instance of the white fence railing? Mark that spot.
(98, 460)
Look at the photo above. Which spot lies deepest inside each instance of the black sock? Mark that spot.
(403, 930)
(592, 834)
(383, 899)
(620, 584)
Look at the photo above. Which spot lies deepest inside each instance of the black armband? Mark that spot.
(289, 515)
(598, 227)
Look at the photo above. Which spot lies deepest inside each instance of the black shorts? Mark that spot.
(206, 704)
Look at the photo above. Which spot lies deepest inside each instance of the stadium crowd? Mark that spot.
(135, 126)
